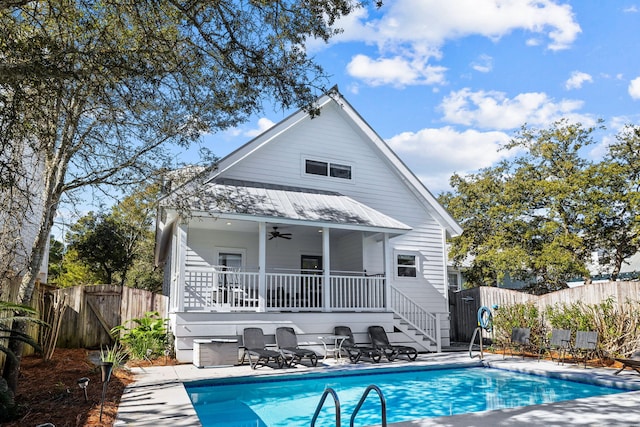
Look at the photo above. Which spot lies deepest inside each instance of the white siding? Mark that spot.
(346, 253)
(331, 137)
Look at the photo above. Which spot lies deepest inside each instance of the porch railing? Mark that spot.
(215, 289)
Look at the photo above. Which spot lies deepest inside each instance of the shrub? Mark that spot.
(617, 324)
(516, 316)
(147, 339)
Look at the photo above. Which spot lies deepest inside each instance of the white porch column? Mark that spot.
(326, 269)
(388, 270)
(182, 260)
(262, 267)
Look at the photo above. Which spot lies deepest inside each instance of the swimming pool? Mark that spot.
(410, 393)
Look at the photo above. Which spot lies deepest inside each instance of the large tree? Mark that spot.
(612, 210)
(115, 246)
(93, 92)
(539, 216)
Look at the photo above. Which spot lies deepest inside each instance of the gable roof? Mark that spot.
(349, 113)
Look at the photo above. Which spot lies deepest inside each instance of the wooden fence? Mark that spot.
(93, 310)
(464, 304)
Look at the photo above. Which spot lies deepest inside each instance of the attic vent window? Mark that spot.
(335, 170)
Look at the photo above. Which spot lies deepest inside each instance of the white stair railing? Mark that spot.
(417, 317)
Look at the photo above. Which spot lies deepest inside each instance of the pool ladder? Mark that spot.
(476, 333)
(336, 401)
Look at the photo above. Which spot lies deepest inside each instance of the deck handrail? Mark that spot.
(336, 402)
(415, 315)
(383, 405)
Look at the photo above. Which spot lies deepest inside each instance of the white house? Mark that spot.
(313, 224)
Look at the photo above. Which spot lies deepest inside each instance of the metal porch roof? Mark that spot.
(228, 196)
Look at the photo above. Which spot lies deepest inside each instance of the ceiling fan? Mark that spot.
(276, 233)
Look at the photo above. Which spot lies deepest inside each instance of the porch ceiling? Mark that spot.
(234, 197)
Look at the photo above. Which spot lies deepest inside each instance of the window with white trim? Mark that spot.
(230, 258)
(406, 265)
(454, 283)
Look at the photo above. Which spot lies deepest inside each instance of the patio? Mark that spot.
(158, 398)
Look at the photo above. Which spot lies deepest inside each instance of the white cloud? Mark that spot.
(412, 32)
(493, 110)
(631, 9)
(397, 71)
(484, 64)
(435, 154)
(263, 125)
(634, 88)
(577, 79)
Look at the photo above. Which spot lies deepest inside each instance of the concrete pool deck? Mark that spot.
(157, 397)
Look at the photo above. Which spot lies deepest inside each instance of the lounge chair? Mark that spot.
(354, 351)
(380, 341)
(559, 343)
(632, 362)
(586, 346)
(255, 349)
(520, 341)
(287, 343)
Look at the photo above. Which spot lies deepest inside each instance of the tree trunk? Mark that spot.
(11, 371)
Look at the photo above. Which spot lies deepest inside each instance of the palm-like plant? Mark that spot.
(10, 313)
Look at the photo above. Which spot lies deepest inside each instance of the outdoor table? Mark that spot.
(337, 345)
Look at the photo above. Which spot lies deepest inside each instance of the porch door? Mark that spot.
(230, 264)
(311, 289)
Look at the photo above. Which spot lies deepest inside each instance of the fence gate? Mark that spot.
(101, 314)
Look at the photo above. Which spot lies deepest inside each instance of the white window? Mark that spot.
(406, 265)
(324, 168)
(454, 283)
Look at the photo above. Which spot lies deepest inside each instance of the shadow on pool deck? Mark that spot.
(157, 397)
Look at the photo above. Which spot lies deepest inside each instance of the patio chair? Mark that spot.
(255, 349)
(520, 341)
(585, 347)
(354, 351)
(559, 343)
(632, 362)
(287, 343)
(379, 340)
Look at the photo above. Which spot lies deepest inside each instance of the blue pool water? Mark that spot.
(290, 400)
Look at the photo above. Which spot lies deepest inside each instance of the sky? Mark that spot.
(446, 83)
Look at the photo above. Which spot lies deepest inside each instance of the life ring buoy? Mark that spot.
(485, 318)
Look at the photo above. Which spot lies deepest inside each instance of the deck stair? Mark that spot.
(416, 323)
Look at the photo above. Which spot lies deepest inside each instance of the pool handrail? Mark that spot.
(476, 333)
(336, 401)
(383, 405)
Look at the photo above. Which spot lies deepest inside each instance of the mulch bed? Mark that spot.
(48, 391)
